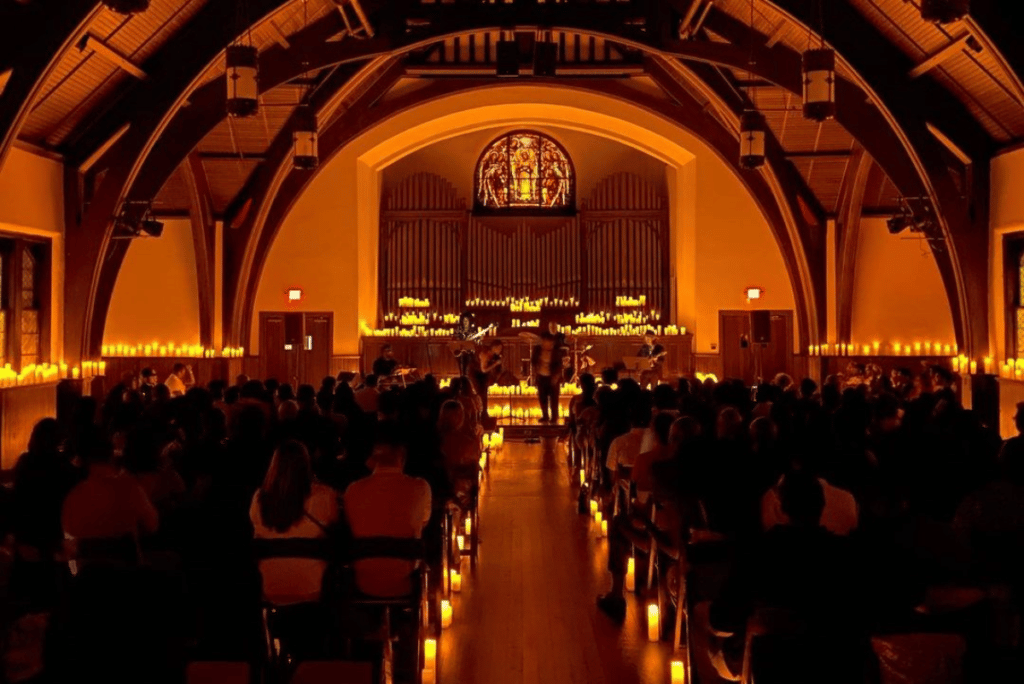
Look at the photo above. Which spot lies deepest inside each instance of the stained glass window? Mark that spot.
(1019, 318)
(524, 170)
(30, 333)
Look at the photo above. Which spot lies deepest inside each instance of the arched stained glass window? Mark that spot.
(525, 170)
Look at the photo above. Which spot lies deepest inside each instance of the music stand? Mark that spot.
(636, 364)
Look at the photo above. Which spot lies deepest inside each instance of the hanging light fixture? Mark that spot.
(305, 155)
(820, 84)
(944, 11)
(242, 77)
(127, 6)
(753, 131)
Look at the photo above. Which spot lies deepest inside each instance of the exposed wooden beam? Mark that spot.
(777, 34)
(604, 69)
(91, 42)
(939, 56)
(227, 155)
(279, 36)
(5, 77)
(948, 143)
(91, 160)
(848, 222)
(204, 233)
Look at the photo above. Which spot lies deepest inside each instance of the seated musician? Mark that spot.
(385, 365)
(464, 331)
(656, 353)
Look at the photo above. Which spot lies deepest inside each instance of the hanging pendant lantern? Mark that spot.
(753, 131)
(819, 84)
(944, 11)
(305, 155)
(242, 76)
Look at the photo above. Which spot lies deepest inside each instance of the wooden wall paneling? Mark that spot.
(318, 329)
(20, 409)
(273, 360)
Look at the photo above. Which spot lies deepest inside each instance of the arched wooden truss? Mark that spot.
(139, 141)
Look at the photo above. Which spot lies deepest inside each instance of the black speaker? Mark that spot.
(761, 327)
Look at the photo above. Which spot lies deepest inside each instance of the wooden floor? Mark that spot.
(528, 614)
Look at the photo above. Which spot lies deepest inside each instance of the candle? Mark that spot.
(103, 367)
(631, 574)
(469, 526)
(429, 676)
(974, 367)
(597, 519)
(456, 581)
(446, 613)
(583, 478)
(653, 622)
(593, 507)
(430, 654)
(678, 672)
(460, 541)
(75, 372)
(988, 365)
(604, 528)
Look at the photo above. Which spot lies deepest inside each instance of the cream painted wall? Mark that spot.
(327, 243)
(1006, 216)
(155, 298)
(898, 292)
(32, 204)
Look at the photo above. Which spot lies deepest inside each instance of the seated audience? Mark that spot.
(368, 398)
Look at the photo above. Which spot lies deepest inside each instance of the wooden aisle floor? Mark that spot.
(528, 614)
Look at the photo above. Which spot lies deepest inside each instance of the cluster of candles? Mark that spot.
(34, 374)
(677, 669)
(877, 348)
(187, 351)
(567, 389)
(413, 303)
(523, 303)
(963, 364)
(624, 330)
(521, 414)
(516, 323)
(418, 331)
(626, 301)
(1012, 369)
(419, 318)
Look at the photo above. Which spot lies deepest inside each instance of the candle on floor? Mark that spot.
(583, 478)
(653, 622)
(469, 526)
(446, 614)
(604, 528)
(678, 672)
(631, 574)
(597, 519)
(430, 654)
(456, 581)
(460, 540)
(593, 504)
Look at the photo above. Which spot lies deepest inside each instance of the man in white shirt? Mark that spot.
(624, 449)
(840, 516)
(368, 398)
(180, 379)
(388, 503)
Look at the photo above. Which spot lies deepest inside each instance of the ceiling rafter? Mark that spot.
(686, 111)
(848, 224)
(204, 229)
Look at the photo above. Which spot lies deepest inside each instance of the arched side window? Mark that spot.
(525, 170)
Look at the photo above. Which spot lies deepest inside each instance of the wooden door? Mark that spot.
(734, 345)
(273, 354)
(742, 359)
(317, 345)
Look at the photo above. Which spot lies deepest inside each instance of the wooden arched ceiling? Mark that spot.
(130, 99)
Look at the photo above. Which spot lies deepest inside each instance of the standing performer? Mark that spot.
(546, 361)
(464, 332)
(656, 353)
(489, 369)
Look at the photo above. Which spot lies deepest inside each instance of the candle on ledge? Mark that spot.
(446, 614)
(653, 622)
(974, 367)
(631, 574)
(678, 672)
(460, 542)
(75, 372)
(469, 526)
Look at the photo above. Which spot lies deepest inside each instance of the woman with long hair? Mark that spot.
(291, 504)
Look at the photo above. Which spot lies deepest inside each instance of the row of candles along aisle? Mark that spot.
(677, 669)
(877, 348)
(186, 351)
(492, 443)
(34, 374)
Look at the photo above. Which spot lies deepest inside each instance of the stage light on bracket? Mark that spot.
(242, 79)
(819, 72)
(127, 6)
(753, 132)
(754, 293)
(944, 11)
(294, 295)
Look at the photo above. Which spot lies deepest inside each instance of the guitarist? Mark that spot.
(656, 353)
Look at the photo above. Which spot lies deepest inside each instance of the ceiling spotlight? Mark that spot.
(127, 6)
(898, 224)
(944, 11)
(152, 227)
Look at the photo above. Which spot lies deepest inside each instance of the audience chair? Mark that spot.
(280, 654)
(415, 604)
